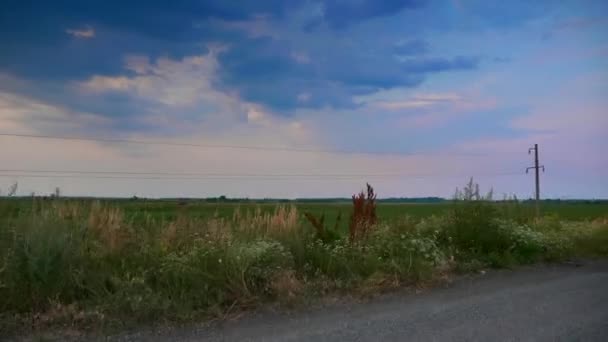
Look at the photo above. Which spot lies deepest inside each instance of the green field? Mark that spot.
(167, 210)
(388, 212)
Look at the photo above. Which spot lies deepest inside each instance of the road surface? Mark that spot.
(567, 302)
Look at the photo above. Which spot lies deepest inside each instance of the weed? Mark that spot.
(363, 217)
(323, 233)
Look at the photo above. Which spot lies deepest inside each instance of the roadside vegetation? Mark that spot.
(86, 264)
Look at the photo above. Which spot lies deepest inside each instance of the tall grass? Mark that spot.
(71, 261)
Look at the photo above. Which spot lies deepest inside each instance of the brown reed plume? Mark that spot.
(364, 216)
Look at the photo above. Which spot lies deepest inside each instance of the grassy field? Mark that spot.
(388, 212)
(169, 209)
(89, 263)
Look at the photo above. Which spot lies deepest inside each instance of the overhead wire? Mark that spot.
(213, 174)
(155, 175)
(232, 146)
(272, 177)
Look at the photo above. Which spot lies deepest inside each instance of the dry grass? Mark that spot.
(282, 221)
(286, 287)
(109, 226)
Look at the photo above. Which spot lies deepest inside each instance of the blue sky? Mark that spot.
(440, 89)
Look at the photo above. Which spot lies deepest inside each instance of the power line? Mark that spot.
(245, 177)
(225, 146)
(214, 174)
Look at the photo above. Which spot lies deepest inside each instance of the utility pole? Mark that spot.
(536, 168)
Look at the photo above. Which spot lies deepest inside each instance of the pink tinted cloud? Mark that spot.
(83, 33)
(443, 112)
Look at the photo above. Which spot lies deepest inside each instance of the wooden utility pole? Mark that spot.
(536, 168)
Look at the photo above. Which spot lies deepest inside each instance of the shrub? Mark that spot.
(558, 246)
(527, 245)
(47, 260)
(255, 263)
(407, 255)
(589, 238)
(472, 227)
(191, 278)
(334, 260)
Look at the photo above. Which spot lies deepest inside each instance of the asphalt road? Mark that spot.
(540, 303)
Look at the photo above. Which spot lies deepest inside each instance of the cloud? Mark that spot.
(502, 60)
(465, 98)
(183, 82)
(255, 126)
(578, 23)
(176, 17)
(304, 97)
(418, 101)
(256, 115)
(255, 27)
(119, 29)
(413, 112)
(274, 73)
(574, 25)
(300, 57)
(129, 28)
(590, 119)
(24, 114)
(179, 96)
(439, 97)
(181, 21)
(499, 15)
(260, 129)
(138, 64)
(107, 83)
(427, 65)
(267, 56)
(340, 14)
(411, 47)
(84, 33)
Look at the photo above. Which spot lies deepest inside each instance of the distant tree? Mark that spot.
(57, 193)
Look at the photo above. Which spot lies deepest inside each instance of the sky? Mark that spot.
(303, 98)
